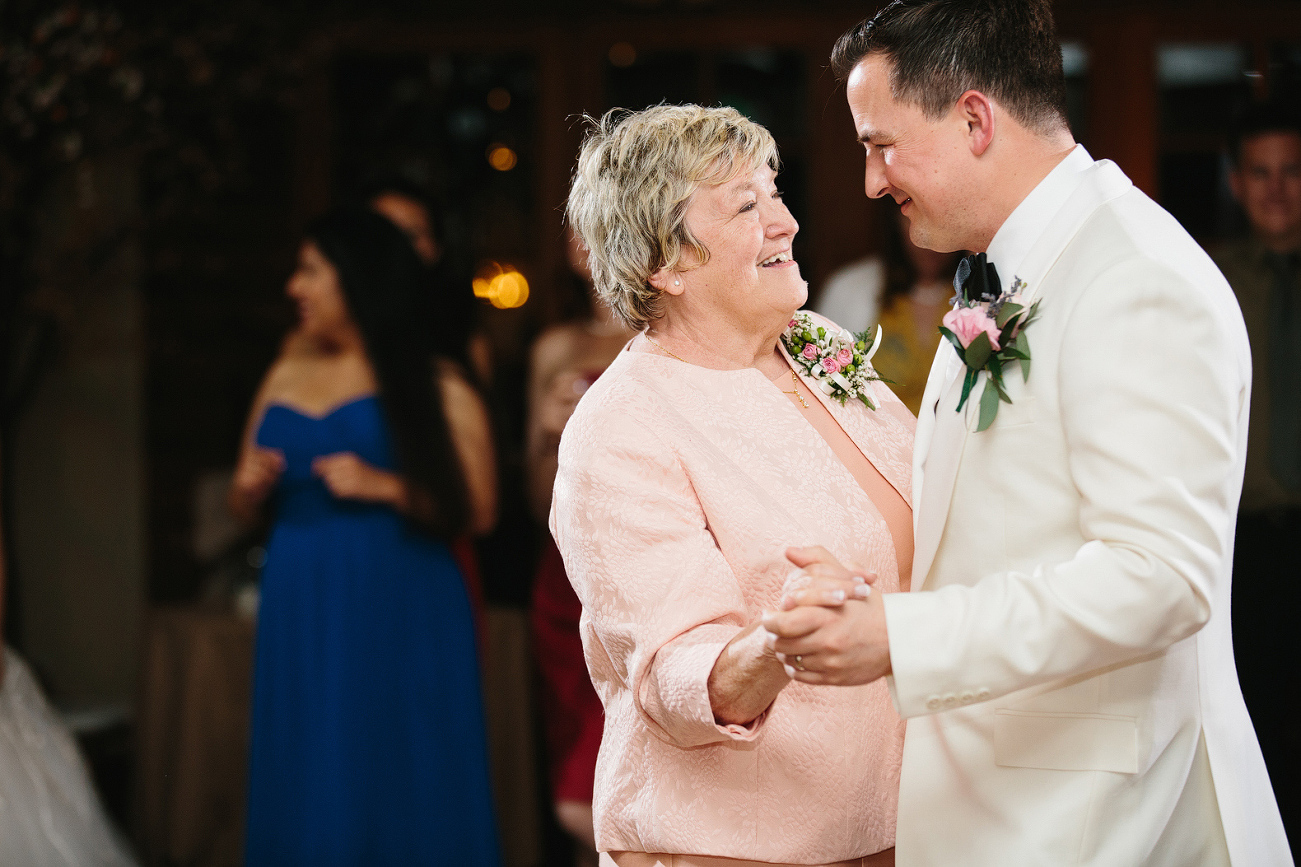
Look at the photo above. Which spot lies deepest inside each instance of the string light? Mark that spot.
(501, 285)
(499, 99)
(501, 158)
(622, 55)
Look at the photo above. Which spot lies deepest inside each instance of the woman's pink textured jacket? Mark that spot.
(679, 490)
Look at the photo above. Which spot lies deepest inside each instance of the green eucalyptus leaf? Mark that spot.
(1023, 345)
(988, 406)
(979, 351)
(1007, 313)
(967, 383)
(957, 344)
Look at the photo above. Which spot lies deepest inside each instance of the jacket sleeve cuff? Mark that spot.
(674, 692)
(910, 680)
(931, 670)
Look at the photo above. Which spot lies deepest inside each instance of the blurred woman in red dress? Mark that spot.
(566, 359)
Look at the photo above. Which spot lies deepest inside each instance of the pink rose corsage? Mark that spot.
(838, 362)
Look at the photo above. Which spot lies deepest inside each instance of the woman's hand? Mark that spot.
(746, 678)
(257, 473)
(822, 581)
(822, 637)
(348, 477)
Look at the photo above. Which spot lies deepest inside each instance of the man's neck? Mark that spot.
(1027, 158)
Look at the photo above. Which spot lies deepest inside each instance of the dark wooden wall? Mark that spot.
(569, 47)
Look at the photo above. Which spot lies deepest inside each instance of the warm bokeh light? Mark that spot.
(622, 54)
(501, 158)
(499, 99)
(501, 285)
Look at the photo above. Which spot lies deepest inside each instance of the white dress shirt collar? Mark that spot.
(1019, 232)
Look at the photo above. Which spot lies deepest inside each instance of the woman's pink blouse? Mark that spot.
(678, 491)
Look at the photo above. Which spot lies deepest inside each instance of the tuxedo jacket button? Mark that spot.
(967, 697)
(982, 694)
(950, 700)
(934, 702)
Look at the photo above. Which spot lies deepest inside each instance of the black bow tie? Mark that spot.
(977, 279)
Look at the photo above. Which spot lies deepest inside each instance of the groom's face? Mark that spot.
(916, 161)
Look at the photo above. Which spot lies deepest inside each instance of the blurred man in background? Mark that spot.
(1264, 269)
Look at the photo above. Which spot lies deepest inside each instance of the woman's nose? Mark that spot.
(782, 222)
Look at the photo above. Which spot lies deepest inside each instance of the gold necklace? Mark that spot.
(794, 378)
(669, 351)
(796, 392)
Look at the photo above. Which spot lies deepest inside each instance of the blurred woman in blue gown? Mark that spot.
(368, 739)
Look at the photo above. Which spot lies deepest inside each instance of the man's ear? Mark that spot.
(666, 281)
(978, 111)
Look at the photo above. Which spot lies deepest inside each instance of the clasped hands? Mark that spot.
(346, 475)
(831, 629)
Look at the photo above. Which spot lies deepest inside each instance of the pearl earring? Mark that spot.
(677, 282)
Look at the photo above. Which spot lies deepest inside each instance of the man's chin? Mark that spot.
(936, 242)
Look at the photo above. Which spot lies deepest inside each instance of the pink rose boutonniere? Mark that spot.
(968, 323)
(987, 331)
(838, 362)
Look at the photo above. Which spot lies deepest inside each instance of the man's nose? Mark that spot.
(874, 182)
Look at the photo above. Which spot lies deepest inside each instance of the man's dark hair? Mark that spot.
(1258, 118)
(940, 49)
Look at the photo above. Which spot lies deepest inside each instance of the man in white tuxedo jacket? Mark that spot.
(1064, 657)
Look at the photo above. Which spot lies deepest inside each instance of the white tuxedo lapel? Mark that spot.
(942, 432)
(927, 477)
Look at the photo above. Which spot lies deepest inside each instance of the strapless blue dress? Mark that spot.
(368, 744)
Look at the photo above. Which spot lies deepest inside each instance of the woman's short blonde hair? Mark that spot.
(635, 177)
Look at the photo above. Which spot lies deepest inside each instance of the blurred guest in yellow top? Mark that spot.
(917, 292)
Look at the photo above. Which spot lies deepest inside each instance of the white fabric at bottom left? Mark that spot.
(50, 815)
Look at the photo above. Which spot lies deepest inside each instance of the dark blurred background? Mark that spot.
(157, 162)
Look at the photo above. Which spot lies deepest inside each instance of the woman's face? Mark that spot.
(751, 275)
(314, 286)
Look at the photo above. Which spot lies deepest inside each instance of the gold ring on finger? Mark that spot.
(799, 663)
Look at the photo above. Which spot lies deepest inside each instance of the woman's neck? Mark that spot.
(339, 344)
(718, 345)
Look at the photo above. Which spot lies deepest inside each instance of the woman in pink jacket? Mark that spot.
(731, 427)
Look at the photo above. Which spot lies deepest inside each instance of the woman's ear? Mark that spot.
(667, 281)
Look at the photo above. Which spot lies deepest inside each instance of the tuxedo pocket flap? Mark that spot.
(1066, 741)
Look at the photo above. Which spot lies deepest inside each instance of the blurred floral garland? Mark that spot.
(162, 87)
(82, 80)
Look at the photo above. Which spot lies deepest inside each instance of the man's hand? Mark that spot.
(822, 641)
